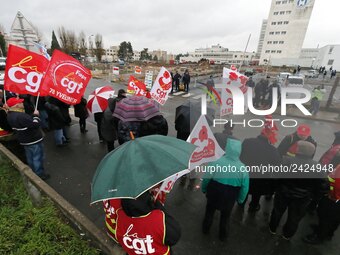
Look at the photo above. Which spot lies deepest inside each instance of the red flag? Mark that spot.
(24, 71)
(66, 79)
(136, 86)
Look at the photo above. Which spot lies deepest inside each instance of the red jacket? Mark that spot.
(334, 179)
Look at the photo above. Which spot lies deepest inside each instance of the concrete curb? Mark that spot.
(83, 224)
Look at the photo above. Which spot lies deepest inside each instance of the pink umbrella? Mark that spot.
(97, 100)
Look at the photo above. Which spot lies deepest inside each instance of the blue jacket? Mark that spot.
(236, 177)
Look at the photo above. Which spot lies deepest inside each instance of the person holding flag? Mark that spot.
(29, 135)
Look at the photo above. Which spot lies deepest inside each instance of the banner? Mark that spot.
(138, 70)
(231, 78)
(148, 79)
(207, 149)
(115, 70)
(136, 87)
(24, 71)
(162, 86)
(65, 79)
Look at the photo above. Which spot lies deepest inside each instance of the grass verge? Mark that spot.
(34, 231)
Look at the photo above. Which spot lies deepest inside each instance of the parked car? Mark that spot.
(249, 72)
(297, 82)
(312, 74)
(2, 63)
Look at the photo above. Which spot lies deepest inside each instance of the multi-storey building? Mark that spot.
(219, 55)
(285, 31)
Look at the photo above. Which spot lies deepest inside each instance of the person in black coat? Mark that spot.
(259, 152)
(296, 192)
(177, 78)
(109, 124)
(289, 144)
(81, 112)
(222, 137)
(186, 80)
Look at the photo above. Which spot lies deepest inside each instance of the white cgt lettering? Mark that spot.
(71, 86)
(33, 79)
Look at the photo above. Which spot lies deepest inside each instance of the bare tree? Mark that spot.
(99, 46)
(63, 38)
(72, 41)
(82, 43)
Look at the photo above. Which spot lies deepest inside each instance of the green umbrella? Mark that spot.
(138, 165)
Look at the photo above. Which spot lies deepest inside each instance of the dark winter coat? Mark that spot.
(80, 109)
(55, 118)
(144, 205)
(314, 186)
(109, 123)
(290, 140)
(256, 152)
(177, 78)
(156, 125)
(27, 127)
(186, 78)
(64, 109)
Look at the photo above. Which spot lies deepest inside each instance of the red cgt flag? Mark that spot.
(24, 71)
(65, 79)
(136, 86)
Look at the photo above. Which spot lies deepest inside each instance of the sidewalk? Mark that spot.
(320, 116)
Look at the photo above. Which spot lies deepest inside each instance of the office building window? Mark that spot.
(271, 33)
(269, 42)
(275, 42)
(284, 2)
(283, 32)
(282, 12)
(288, 12)
(273, 23)
(273, 51)
(276, 13)
(330, 62)
(331, 50)
(267, 51)
(281, 42)
(278, 2)
(286, 22)
(277, 33)
(279, 51)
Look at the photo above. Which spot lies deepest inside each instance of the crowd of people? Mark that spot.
(296, 194)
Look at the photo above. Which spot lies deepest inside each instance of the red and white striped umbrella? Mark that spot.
(97, 100)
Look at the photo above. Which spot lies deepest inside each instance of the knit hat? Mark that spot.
(305, 148)
(13, 101)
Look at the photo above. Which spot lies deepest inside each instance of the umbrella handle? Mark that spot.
(132, 135)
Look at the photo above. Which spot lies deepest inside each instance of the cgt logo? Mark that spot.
(26, 74)
(73, 82)
(139, 245)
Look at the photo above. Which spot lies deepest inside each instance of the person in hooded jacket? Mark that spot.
(142, 225)
(296, 193)
(223, 188)
(109, 124)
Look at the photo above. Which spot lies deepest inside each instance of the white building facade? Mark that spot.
(328, 56)
(219, 55)
(286, 28)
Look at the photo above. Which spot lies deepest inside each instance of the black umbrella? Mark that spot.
(188, 113)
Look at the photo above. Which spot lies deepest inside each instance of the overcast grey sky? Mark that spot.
(177, 26)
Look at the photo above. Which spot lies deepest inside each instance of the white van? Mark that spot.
(294, 81)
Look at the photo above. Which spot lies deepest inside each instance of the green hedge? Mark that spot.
(28, 230)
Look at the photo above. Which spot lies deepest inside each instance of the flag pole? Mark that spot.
(36, 103)
(239, 69)
(5, 96)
